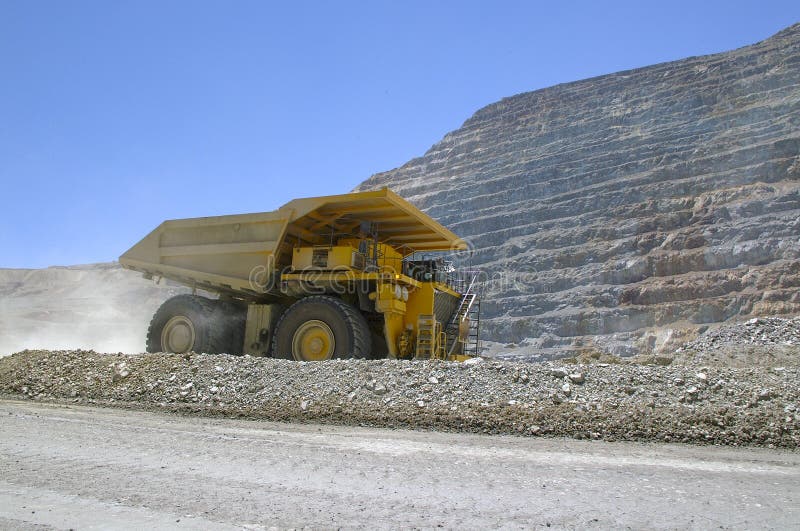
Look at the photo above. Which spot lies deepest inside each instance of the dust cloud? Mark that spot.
(99, 306)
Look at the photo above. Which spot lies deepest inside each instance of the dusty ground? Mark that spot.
(98, 468)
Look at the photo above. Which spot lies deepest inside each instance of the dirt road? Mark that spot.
(94, 468)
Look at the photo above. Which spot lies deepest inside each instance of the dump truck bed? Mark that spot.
(240, 254)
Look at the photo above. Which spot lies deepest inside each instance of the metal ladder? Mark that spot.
(473, 347)
(431, 339)
(469, 308)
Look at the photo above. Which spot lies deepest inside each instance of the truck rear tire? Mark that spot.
(319, 328)
(190, 323)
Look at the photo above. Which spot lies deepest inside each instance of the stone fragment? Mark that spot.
(577, 377)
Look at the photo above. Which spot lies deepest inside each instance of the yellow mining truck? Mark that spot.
(359, 275)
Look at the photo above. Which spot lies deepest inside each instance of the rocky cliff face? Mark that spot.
(624, 212)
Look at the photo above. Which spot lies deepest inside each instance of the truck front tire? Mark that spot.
(319, 328)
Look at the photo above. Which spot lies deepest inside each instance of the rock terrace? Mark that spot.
(624, 212)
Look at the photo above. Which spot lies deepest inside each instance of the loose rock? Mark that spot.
(745, 406)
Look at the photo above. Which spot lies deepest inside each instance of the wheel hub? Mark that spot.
(313, 341)
(178, 335)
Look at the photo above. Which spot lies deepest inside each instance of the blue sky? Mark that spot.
(116, 115)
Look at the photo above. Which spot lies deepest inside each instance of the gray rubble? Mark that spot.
(757, 342)
(623, 401)
(758, 331)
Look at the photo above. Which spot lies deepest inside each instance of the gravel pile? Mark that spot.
(759, 342)
(762, 331)
(676, 403)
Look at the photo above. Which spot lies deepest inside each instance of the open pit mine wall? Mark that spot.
(626, 211)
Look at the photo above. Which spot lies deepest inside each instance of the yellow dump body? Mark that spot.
(243, 255)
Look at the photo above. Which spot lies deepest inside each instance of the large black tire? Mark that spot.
(321, 327)
(190, 323)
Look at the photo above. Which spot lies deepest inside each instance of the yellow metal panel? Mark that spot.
(261, 320)
(222, 253)
(420, 302)
(390, 305)
(191, 277)
(280, 215)
(393, 327)
(302, 258)
(265, 246)
(387, 301)
(324, 258)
